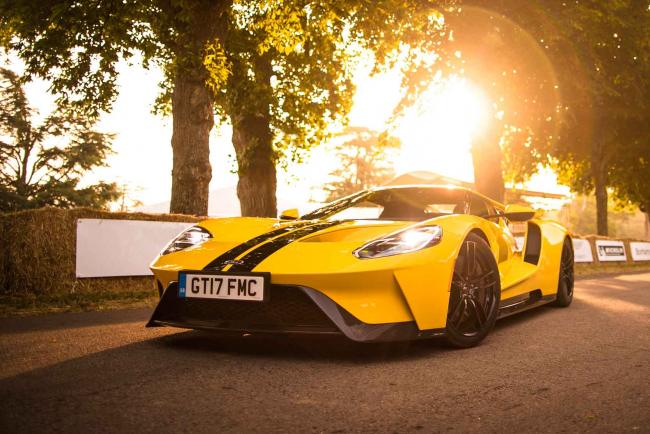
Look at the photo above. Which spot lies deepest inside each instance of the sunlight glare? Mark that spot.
(437, 132)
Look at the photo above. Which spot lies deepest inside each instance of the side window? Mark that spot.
(477, 206)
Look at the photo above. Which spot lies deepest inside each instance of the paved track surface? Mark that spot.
(581, 369)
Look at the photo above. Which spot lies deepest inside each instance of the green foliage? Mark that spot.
(566, 79)
(292, 58)
(577, 215)
(628, 175)
(43, 164)
(498, 54)
(364, 162)
(604, 48)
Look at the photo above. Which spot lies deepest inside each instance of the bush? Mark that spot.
(37, 252)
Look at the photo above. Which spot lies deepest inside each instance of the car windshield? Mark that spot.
(406, 203)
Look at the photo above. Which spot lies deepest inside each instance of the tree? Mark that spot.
(364, 162)
(606, 71)
(279, 71)
(43, 165)
(596, 55)
(624, 220)
(506, 63)
(632, 163)
(125, 201)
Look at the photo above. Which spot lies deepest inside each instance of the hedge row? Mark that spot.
(37, 251)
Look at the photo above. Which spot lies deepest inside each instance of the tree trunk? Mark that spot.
(487, 158)
(252, 138)
(192, 109)
(193, 120)
(647, 222)
(253, 141)
(601, 206)
(599, 173)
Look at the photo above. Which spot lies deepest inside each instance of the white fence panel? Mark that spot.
(109, 248)
(582, 250)
(610, 251)
(640, 251)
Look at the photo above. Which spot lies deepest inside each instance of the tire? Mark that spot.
(565, 283)
(474, 296)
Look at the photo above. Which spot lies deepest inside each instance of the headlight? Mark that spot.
(188, 238)
(407, 241)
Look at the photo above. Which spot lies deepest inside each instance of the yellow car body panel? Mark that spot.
(410, 287)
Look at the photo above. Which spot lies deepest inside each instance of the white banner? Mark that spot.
(582, 250)
(640, 251)
(610, 251)
(107, 248)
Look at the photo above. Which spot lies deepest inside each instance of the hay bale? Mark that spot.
(4, 243)
(39, 252)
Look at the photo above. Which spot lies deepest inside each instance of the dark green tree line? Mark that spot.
(279, 71)
(43, 164)
(590, 87)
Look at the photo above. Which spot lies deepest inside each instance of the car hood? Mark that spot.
(233, 235)
(244, 229)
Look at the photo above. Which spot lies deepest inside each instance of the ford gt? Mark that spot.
(386, 264)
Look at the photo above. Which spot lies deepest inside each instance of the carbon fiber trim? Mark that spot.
(292, 309)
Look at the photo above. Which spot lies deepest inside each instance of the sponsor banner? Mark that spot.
(640, 251)
(582, 250)
(610, 251)
(108, 248)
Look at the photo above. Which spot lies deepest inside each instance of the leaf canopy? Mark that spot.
(311, 47)
(44, 164)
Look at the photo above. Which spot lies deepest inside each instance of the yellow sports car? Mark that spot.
(385, 264)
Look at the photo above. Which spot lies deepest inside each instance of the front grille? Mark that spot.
(287, 308)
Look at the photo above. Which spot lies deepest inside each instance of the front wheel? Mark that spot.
(566, 279)
(475, 294)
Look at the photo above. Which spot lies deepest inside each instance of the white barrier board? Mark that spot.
(610, 251)
(640, 251)
(582, 251)
(108, 248)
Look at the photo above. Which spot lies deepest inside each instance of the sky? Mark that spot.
(436, 135)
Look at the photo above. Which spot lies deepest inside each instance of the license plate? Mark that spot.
(223, 286)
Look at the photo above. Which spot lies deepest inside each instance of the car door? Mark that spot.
(496, 224)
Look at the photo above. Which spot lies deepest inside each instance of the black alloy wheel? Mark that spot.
(475, 294)
(566, 279)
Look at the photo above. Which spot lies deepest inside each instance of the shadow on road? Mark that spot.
(72, 320)
(141, 380)
(322, 348)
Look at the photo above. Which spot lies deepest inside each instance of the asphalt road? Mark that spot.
(581, 369)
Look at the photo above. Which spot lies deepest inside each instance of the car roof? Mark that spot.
(446, 186)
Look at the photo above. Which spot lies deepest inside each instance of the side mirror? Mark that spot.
(519, 213)
(290, 214)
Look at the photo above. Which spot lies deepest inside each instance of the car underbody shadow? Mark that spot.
(298, 346)
(523, 316)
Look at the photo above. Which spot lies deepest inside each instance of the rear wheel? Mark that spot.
(475, 294)
(566, 279)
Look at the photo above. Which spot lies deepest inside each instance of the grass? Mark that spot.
(595, 270)
(12, 305)
(29, 304)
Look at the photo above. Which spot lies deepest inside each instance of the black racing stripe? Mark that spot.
(253, 258)
(222, 260)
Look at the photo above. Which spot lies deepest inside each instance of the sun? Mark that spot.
(437, 132)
